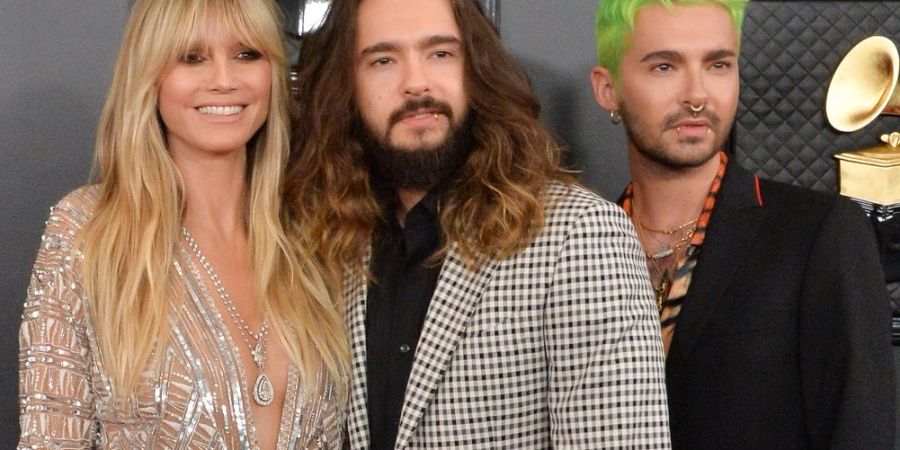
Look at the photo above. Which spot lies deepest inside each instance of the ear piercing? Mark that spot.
(615, 117)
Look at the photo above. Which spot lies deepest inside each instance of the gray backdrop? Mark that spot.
(56, 57)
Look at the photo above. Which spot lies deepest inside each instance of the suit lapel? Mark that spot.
(457, 293)
(355, 291)
(735, 222)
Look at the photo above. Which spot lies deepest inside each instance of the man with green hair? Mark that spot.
(772, 303)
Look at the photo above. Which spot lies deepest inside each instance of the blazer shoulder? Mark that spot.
(572, 205)
(797, 205)
(563, 197)
(795, 200)
(778, 193)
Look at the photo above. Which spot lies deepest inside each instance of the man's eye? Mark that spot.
(721, 65)
(664, 67)
(443, 54)
(381, 62)
(192, 58)
(249, 55)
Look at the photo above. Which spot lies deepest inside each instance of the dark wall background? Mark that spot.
(554, 41)
(55, 63)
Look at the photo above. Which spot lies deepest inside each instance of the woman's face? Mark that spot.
(213, 100)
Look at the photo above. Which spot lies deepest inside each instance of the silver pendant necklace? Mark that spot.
(263, 391)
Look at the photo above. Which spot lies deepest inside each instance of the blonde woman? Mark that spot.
(169, 307)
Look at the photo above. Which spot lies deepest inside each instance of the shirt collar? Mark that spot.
(427, 209)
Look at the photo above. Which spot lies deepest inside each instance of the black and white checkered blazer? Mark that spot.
(556, 346)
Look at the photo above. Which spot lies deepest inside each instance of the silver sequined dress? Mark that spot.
(196, 398)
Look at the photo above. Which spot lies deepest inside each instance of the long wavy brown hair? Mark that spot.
(493, 206)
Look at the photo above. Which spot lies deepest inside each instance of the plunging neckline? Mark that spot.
(222, 334)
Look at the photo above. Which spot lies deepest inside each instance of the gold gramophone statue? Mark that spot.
(864, 86)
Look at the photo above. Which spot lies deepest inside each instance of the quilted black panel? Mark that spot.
(789, 52)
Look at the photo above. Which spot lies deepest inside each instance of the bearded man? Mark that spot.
(505, 306)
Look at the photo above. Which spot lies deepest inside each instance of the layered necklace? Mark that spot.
(685, 230)
(663, 261)
(263, 391)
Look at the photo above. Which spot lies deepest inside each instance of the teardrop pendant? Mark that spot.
(263, 393)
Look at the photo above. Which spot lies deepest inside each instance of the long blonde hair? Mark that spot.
(130, 243)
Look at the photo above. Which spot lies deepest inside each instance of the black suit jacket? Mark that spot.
(783, 341)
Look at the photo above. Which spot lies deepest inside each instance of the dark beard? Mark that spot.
(416, 168)
(642, 137)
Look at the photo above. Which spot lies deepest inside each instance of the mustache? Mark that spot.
(413, 105)
(671, 120)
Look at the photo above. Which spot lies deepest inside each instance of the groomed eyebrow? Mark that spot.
(674, 56)
(381, 47)
(719, 54)
(435, 41)
(665, 55)
(431, 41)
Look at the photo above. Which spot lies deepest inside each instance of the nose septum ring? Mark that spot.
(697, 109)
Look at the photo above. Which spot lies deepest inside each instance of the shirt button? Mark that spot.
(404, 348)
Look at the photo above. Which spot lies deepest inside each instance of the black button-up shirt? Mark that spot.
(396, 304)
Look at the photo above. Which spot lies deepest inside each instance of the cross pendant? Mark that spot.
(662, 293)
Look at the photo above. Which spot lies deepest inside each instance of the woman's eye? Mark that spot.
(249, 55)
(192, 58)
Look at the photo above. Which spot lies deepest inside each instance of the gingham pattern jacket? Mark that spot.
(556, 346)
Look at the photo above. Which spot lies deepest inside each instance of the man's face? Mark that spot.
(678, 60)
(409, 75)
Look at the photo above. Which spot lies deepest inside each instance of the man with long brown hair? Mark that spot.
(492, 302)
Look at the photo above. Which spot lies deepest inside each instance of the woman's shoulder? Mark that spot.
(75, 208)
(55, 281)
(67, 218)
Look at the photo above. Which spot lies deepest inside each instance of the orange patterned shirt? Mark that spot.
(671, 275)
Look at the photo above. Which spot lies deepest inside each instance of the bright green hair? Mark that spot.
(615, 22)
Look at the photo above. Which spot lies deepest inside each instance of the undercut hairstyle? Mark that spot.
(131, 240)
(614, 23)
(492, 206)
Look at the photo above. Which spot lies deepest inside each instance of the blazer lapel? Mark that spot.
(457, 293)
(355, 291)
(734, 224)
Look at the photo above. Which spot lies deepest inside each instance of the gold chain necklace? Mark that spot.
(661, 290)
(669, 231)
(667, 250)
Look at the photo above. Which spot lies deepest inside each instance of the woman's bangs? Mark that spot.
(251, 25)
